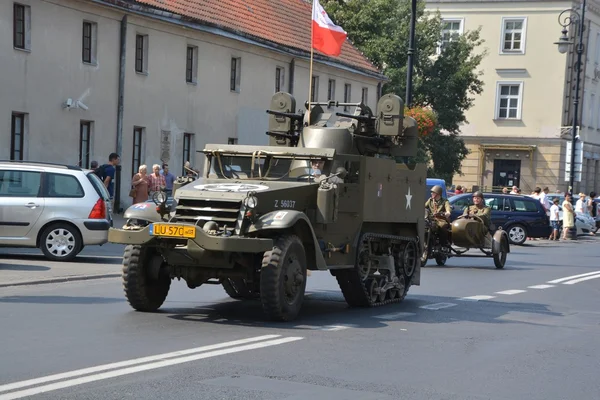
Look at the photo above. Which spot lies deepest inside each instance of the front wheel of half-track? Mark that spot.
(283, 278)
(143, 292)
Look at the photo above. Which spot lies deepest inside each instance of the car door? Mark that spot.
(21, 204)
(498, 209)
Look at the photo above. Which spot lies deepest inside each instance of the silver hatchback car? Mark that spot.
(57, 208)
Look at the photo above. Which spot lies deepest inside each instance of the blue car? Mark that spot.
(520, 216)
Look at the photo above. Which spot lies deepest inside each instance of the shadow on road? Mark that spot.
(323, 309)
(60, 300)
(23, 267)
(87, 259)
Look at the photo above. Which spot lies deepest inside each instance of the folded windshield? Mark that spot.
(265, 167)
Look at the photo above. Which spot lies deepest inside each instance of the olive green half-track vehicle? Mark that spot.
(332, 191)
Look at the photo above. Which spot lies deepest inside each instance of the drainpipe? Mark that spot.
(122, 51)
(291, 77)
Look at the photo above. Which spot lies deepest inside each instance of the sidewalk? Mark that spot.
(20, 267)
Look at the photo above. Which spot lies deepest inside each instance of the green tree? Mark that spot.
(445, 82)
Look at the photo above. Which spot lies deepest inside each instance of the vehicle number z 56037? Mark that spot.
(285, 203)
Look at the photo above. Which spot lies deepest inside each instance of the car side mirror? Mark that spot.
(451, 207)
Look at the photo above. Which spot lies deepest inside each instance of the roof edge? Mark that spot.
(215, 29)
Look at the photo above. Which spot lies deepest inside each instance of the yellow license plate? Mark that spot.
(170, 230)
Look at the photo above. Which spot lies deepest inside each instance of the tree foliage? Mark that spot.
(446, 82)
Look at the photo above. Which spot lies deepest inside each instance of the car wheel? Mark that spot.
(60, 242)
(517, 234)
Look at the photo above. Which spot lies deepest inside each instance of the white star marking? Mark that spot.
(408, 199)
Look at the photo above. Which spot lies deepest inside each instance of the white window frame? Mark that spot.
(523, 35)
(27, 27)
(460, 31)
(281, 78)
(145, 49)
(194, 69)
(331, 89)
(499, 85)
(237, 79)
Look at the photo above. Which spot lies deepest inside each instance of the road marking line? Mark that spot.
(438, 306)
(573, 277)
(394, 315)
(587, 278)
(477, 298)
(511, 292)
(127, 363)
(540, 286)
(334, 328)
(144, 367)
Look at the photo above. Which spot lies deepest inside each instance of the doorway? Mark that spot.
(507, 173)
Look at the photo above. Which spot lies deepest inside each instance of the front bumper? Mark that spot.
(202, 240)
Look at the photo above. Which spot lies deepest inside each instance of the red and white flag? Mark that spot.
(327, 36)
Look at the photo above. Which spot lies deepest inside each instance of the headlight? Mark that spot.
(159, 197)
(251, 202)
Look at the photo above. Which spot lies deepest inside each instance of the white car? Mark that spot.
(57, 208)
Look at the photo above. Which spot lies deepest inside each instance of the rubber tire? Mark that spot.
(500, 258)
(272, 294)
(142, 292)
(524, 234)
(237, 289)
(441, 260)
(76, 235)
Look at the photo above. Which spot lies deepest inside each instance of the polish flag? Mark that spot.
(327, 36)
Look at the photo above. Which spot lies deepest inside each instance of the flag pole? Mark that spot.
(310, 72)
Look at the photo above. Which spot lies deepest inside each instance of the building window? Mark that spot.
(592, 111)
(314, 96)
(188, 140)
(509, 101)
(21, 26)
(17, 133)
(234, 81)
(136, 156)
(89, 42)
(191, 64)
(279, 79)
(232, 140)
(331, 90)
(365, 95)
(451, 29)
(513, 35)
(347, 95)
(85, 136)
(141, 54)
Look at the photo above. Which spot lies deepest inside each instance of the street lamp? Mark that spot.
(566, 18)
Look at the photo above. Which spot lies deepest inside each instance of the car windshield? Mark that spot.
(269, 167)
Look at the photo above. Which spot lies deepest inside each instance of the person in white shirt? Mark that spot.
(554, 220)
(581, 204)
(544, 199)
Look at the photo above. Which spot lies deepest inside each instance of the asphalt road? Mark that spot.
(469, 332)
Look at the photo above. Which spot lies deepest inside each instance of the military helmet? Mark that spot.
(478, 194)
(437, 189)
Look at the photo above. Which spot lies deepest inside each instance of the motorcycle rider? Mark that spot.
(439, 208)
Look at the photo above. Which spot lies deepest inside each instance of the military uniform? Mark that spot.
(485, 213)
(440, 205)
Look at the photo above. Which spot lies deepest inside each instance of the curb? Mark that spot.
(60, 279)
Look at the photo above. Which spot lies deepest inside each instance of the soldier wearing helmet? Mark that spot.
(439, 208)
(480, 210)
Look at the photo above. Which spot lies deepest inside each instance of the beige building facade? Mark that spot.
(183, 84)
(518, 129)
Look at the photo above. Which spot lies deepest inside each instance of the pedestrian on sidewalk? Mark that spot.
(568, 215)
(554, 219)
(140, 183)
(156, 180)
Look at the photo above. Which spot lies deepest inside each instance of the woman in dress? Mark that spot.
(568, 215)
(140, 184)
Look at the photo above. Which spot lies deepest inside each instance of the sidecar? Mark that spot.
(470, 233)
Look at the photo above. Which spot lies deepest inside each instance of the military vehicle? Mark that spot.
(466, 233)
(327, 193)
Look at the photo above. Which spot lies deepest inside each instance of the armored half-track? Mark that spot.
(332, 191)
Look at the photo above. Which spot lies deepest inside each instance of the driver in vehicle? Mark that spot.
(479, 209)
(439, 207)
